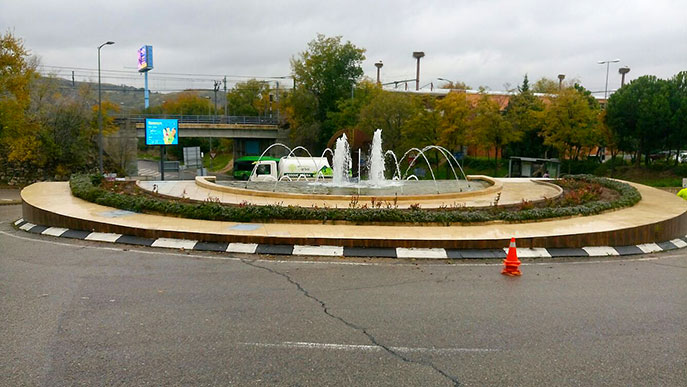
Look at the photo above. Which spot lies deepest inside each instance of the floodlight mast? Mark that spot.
(417, 55)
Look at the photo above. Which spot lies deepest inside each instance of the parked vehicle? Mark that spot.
(243, 166)
(292, 167)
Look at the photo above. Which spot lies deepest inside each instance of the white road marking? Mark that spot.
(600, 251)
(55, 231)
(679, 243)
(248, 248)
(173, 243)
(530, 252)
(330, 251)
(128, 249)
(364, 348)
(650, 248)
(27, 226)
(103, 237)
(413, 252)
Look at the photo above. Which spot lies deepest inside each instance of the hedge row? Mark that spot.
(88, 188)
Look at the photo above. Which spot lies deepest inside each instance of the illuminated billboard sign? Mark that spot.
(145, 59)
(162, 132)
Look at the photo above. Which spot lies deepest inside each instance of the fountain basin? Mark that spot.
(406, 192)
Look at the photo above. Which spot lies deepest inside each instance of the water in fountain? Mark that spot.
(341, 162)
(376, 177)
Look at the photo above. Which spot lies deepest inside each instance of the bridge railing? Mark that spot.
(203, 119)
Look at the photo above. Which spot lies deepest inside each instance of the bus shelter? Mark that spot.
(533, 167)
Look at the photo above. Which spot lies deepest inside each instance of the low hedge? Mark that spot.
(89, 188)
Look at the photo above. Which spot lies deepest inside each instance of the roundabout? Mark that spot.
(656, 223)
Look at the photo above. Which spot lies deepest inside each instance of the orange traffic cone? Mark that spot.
(511, 263)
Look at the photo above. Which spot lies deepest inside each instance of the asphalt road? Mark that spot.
(81, 313)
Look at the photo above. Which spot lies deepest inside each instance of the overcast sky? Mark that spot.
(482, 43)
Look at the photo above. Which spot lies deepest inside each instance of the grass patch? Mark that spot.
(219, 163)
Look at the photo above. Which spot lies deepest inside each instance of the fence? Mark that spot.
(204, 119)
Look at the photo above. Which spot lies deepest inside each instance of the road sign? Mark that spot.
(213, 154)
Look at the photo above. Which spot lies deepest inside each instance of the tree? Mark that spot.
(458, 85)
(490, 128)
(390, 112)
(187, 103)
(348, 109)
(677, 137)
(324, 74)
(18, 140)
(69, 129)
(247, 98)
(546, 86)
(640, 113)
(570, 123)
(454, 111)
(524, 113)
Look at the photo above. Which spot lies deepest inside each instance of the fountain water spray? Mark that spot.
(342, 161)
(377, 167)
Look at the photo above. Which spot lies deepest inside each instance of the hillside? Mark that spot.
(130, 99)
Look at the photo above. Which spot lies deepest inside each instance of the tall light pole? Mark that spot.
(417, 55)
(561, 77)
(379, 65)
(100, 113)
(608, 64)
(623, 71)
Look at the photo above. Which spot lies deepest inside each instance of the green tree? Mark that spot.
(489, 127)
(348, 112)
(422, 129)
(546, 86)
(677, 137)
(390, 112)
(246, 98)
(324, 74)
(570, 123)
(69, 130)
(524, 113)
(457, 85)
(640, 114)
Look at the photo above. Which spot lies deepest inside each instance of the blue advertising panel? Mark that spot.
(145, 59)
(162, 132)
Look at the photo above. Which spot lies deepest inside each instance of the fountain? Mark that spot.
(377, 184)
(407, 186)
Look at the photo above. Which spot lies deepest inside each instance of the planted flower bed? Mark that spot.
(582, 195)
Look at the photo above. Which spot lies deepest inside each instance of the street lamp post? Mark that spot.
(100, 114)
(608, 64)
(623, 71)
(417, 55)
(450, 82)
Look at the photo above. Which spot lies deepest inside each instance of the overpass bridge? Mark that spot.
(237, 127)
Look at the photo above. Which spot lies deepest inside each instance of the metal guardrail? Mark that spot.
(203, 119)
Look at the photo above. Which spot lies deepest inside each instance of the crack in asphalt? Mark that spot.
(370, 337)
(668, 265)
